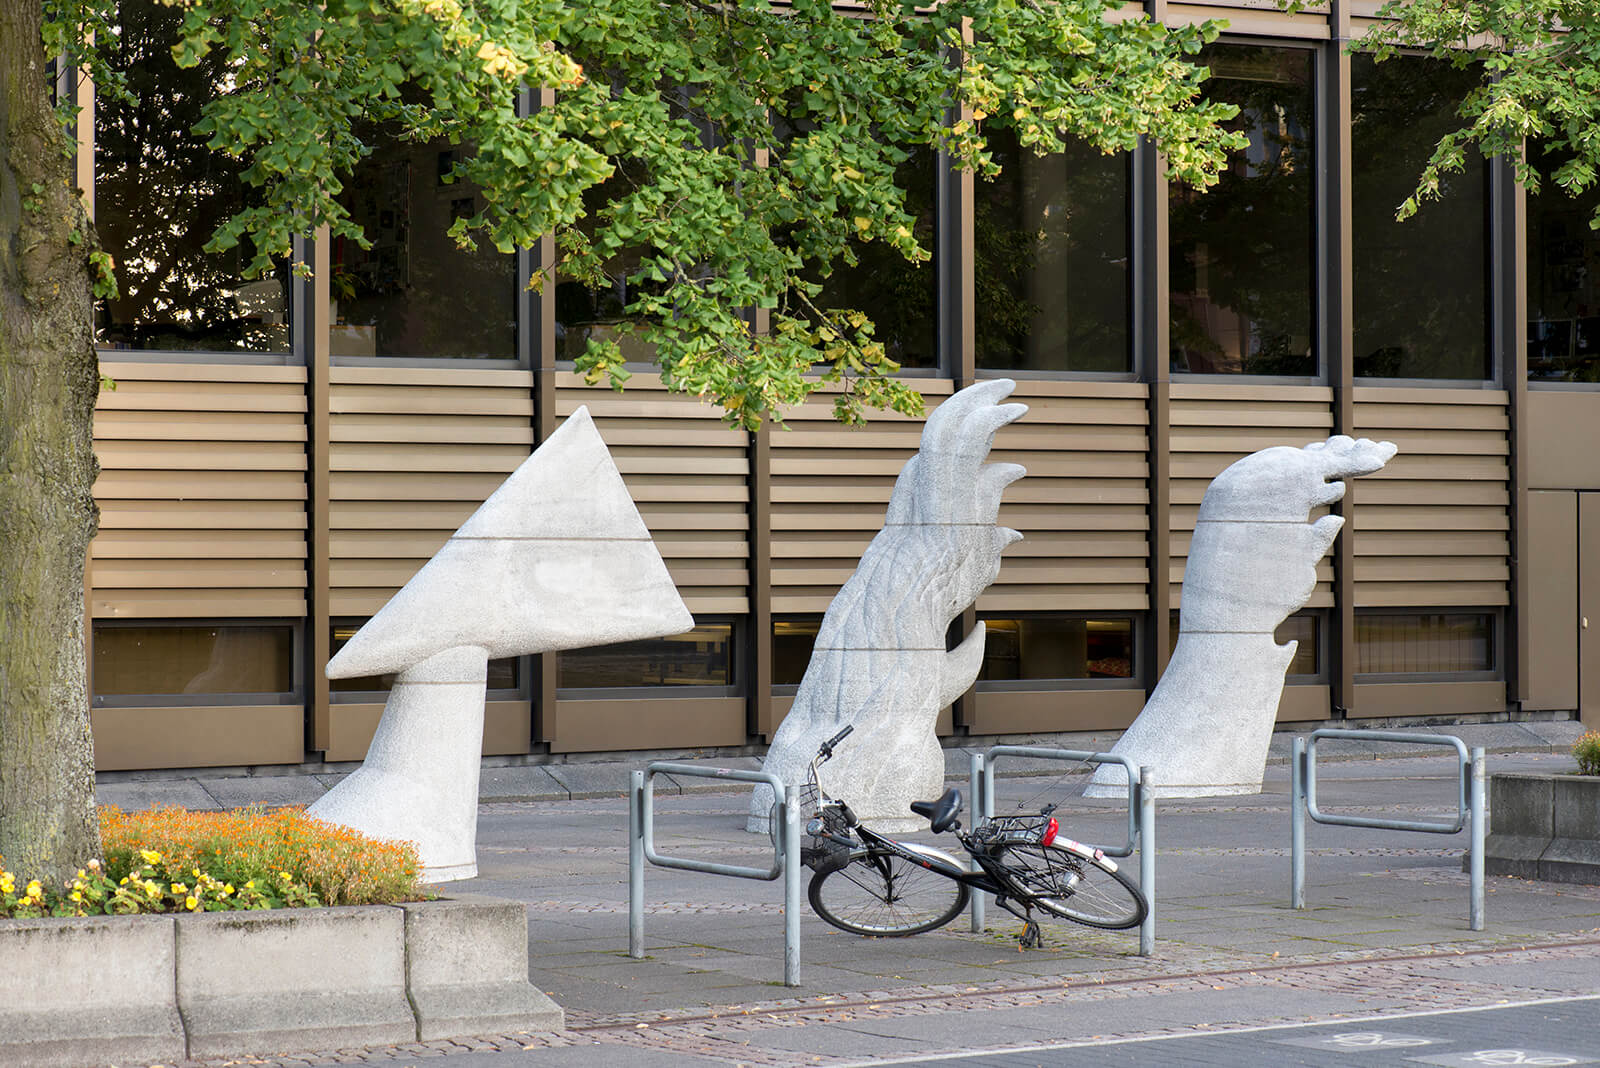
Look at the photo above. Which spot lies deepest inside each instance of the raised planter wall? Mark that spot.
(1544, 827)
(144, 989)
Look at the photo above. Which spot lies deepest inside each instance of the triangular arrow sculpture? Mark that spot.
(558, 558)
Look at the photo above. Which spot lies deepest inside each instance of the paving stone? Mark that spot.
(601, 779)
(139, 796)
(527, 783)
(268, 791)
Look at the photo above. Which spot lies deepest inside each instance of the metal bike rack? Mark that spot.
(1470, 807)
(785, 860)
(1141, 820)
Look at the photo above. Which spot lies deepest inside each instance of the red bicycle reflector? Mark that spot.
(1050, 830)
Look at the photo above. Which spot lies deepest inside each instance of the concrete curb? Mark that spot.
(104, 990)
(89, 991)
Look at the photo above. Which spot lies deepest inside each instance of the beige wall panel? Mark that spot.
(507, 727)
(1032, 711)
(944, 726)
(689, 474)
(1304, 704)
(412, 453)
(1397, 699)
(1081, 510)
(1561, 439)
(607, 725)
(133, 739)
(1589, 606)
(1552, 570)
(1432, 529)
(202, 492)
(1254, 17)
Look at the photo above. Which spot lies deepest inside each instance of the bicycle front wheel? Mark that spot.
(1077, 888)
(885, 895)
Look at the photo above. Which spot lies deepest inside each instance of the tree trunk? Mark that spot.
(48, 381)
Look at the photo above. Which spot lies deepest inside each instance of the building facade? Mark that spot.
(280, 456)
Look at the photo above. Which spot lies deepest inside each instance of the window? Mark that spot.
(1563, 281)
(504, 678)
(1242, 254)
(1051, 256)
(1421, 290)
(1054, 648)
(414, 293)
(1409, 643)
(792, 643)
(160, 193)
(1305, 628)
(187, 663)
(699, 657)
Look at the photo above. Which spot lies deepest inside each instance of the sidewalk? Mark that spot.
(228, 788)
(1385, 929)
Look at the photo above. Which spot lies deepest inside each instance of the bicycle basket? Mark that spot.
(829, 850)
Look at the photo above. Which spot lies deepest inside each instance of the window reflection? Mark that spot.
(1051, 260)
(1056, 647)
(191, 661)
(699, 657)
(1424, 642)
(1421, 286)
(1242, 253)
(792, 643)
(160, 194)
(414, 292)
(1563, 280)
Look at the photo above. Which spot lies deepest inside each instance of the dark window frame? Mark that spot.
(1497, 648)
(737, 626)
(1136, 667)
(521, 692)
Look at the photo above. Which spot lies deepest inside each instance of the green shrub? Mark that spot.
(1587, 750)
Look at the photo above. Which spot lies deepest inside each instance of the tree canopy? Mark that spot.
(718, 157)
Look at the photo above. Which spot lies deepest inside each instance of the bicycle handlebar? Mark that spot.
(827, 747)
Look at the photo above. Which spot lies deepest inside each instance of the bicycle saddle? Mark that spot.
(941, 813)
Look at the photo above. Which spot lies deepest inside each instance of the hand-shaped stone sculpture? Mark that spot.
(880, 661)
(1252, 562)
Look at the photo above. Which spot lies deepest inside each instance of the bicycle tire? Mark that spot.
(1073, 887)
(884, 895)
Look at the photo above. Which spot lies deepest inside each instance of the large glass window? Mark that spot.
(1241, 258)
(504, 675)
(1052, 260)
(414, 292)
(1405, 643)
(192, 663)
(699, 657)
(1421, 291)
(160, 193)
(1304, 628)
(792, 643)
(1563, 281)
(1057, 647)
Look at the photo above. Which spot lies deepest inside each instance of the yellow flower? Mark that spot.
(251, 885)
(179, 888)
(150, 856)
(191, 903)
(285, 876)
(35, 888)
(227, 890)
(152, 890)
(76, 895)
(94, 865)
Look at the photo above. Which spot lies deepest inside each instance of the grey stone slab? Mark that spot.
(271, 791)
(170, 793)
(467, 969)
(259, 982)
(90, 991)
(1559, 734)
(528, 783)
(601, 779)
(698, 784)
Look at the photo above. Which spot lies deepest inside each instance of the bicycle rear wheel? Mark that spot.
(885, 895)
(1077, 888)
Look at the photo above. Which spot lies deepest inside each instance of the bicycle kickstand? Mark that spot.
(1031, 937)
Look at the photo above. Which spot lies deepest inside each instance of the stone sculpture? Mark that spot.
(558, 558)
(880, 661)
(1252, 562)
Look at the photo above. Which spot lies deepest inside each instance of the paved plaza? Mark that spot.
(1237, 976)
